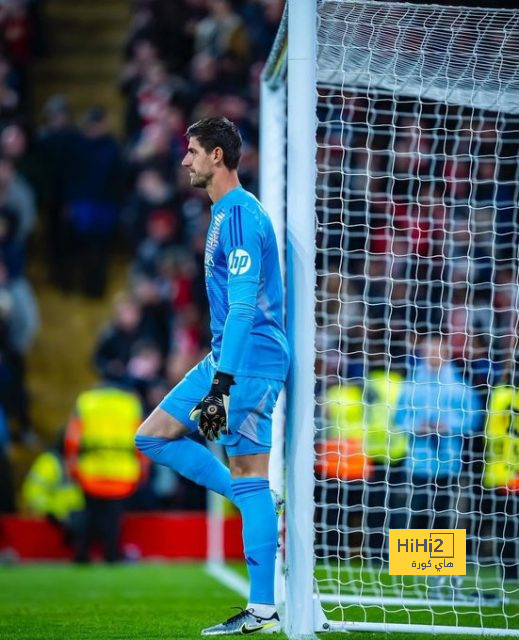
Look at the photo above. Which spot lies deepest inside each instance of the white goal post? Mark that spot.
(389, 146)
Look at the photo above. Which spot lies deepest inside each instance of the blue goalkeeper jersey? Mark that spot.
(244, 288)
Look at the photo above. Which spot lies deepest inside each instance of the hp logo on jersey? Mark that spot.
(239, 262)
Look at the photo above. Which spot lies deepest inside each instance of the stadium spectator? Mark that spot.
(153, 95)
(177, 270)
(164, 234)
(188, 337)
(93, 207)
(101, 457)
(18, 36)
(435, 411)
(342, 454)
(155, 310)
(16, 144)
(9, 95)
(59, 147)
(12, 249)
(222, 34)
(387, 448)
(49, 491)
(342, 466)
(116, 342)
(262, 21)
(153, 146)
(13, 391)
(18, 324)
(144, 367)
(501, 474)
(18, 197)
(340, 317)
(142, 55)
(496, 198)
(22, 318)
(505, 320)
(153, 194)
(359, 443)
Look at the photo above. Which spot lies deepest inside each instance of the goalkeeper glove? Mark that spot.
(211, 412)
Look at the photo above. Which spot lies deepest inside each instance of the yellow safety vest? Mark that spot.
(382, 441)
(341, 455)
(502, 440)
(108, 464)
(345, 409)
(367, 415)
(47, 490)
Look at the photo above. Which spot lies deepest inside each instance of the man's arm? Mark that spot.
(241, 239)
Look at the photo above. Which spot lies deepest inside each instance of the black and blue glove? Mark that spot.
(212, 411)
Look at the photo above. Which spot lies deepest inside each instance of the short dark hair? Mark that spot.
(218, 132)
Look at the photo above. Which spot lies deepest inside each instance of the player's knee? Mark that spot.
(161, 425)
(256, 466)
(147, 428)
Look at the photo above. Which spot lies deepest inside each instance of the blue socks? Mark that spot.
(189, 458)
(251, 495)
(253, 498)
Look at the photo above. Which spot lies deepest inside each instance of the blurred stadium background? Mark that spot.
(101, 280)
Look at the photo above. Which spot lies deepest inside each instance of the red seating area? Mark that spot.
(178, 535)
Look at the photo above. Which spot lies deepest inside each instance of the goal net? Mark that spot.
(415, 308)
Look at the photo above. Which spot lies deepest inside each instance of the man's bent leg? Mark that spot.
(162, 438)
(252, 496)
(162, 424)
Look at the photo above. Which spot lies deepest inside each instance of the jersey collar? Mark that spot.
(223, 200)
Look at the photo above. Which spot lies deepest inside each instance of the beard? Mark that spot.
(200, 180)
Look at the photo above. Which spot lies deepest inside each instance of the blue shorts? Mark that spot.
(251, 404)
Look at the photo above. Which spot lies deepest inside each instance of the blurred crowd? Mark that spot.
(418, 223)
(20, 43)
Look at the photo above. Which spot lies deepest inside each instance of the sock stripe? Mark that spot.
(245, 486)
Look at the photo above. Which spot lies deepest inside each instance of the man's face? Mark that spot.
(199, 164)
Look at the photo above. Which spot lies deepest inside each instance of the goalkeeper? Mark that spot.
(230, 395)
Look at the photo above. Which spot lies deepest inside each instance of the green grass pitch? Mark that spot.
(125, 602)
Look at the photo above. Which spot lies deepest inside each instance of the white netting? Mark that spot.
(417, 306)
(446, 54)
